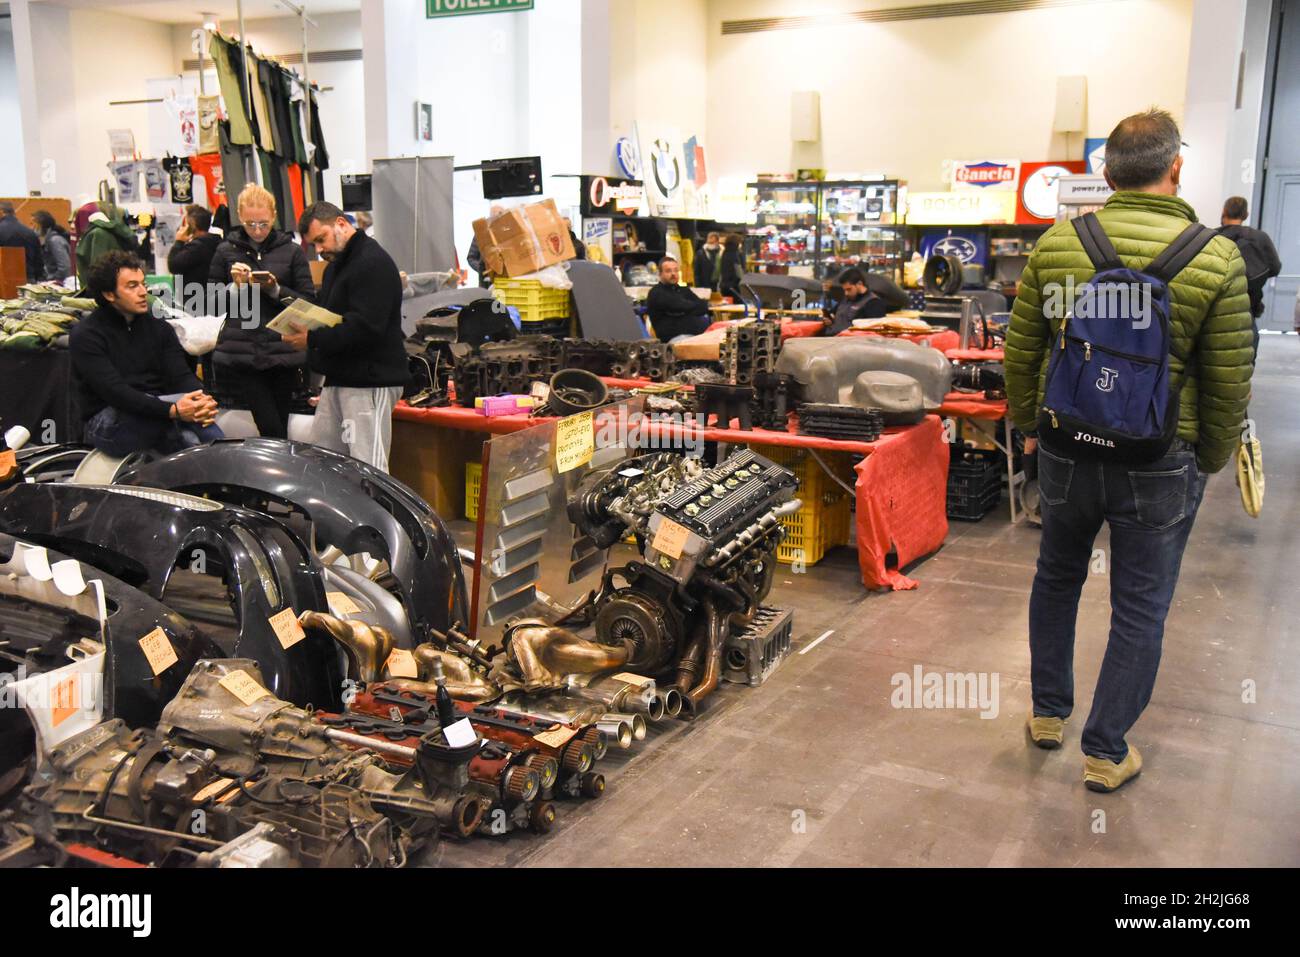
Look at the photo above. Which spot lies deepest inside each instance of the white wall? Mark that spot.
(660, 69)
(342, 96)
(501, 85)
(13, 175)
(902, 97)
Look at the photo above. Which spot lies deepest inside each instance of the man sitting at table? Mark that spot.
(135, 385)
(675, 311)
(859, 303)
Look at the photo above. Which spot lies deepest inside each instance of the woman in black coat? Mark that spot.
(253, 366)
(731, 268)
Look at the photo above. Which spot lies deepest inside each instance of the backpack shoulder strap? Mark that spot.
(1179, 254)
(1096, 243)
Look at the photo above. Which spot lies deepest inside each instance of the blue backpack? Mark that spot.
(1107, 394)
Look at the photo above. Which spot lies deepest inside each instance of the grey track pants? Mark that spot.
(356, 422)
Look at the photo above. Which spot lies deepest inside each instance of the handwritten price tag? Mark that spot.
(556, 737)
(670, 538)
(64, 700)
(575, 442)
(158, 651)
(401, 664)
(637, 681)
(241, 684)
(287, 628)
(341, 604)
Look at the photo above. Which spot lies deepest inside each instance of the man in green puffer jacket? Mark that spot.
(1150, 508)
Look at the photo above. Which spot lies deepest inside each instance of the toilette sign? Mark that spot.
(460, 8)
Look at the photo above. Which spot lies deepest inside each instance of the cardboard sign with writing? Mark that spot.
(241, 684)
(158, 651)
(670, 538)
(575, 442)
(287, 629)
(401, 664)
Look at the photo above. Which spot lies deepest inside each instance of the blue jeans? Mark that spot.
(119, 433)
(1150, 510)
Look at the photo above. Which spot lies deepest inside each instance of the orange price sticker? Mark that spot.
(556, 737)
(401, 664)
(64, 700)
(341, 604)
(158, 651)
(241, 684)
(286, 627)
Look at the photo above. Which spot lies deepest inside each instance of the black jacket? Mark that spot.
(15, 234)
(869, 306)
(676, 311)
(706, 267)
(366, 349)
(193, 260)
(126, 366)
(256, 347)
(730, 270)
(1262, 261)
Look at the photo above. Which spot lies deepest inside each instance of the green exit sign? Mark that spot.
(461, 8)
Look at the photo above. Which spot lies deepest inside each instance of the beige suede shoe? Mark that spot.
(1045, 731)
(1102, 775)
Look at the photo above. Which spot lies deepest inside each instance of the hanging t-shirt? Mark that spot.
(155, 180)
(126, 178)
(209, 114)
(182, 179)
(208, 165)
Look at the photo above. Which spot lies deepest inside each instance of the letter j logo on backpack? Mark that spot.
(1107, 381)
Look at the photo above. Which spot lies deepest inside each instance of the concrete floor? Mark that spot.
(816, 768)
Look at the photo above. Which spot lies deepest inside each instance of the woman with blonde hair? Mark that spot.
(262, 268)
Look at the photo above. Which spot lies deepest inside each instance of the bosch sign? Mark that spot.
(986, 174)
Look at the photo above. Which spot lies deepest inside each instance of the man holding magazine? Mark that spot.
(362, 357)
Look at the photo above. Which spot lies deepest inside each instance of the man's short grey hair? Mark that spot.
(1142, 148)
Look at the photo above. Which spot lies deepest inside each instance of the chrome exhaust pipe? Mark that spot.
(671, 701)
(617, 730)
(635, 721)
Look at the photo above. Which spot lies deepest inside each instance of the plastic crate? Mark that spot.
(473, 474)
(974, 482)
(534, 301)
(823, 521)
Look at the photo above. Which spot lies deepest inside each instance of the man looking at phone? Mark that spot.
(135, 386)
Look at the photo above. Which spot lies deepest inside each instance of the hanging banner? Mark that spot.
(971, 246)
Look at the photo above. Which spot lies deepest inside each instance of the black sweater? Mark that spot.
(126, 366)
(366, 349)
(192, 260)
(676, 311)
(14, 233)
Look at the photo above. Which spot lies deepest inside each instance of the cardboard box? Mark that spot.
(523, 240)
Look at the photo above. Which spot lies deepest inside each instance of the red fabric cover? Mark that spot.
(943, 341)
(968, 405)
(902, 495)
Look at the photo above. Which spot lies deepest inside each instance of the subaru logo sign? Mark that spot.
(958, 246)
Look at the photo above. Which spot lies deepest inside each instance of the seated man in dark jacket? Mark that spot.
(134, 382)
(674, 309)
(859, 302)
(363, 358)
(191, 256)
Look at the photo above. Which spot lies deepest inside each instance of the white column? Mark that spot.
(47, 99)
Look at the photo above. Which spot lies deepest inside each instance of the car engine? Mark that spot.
(708, 539)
